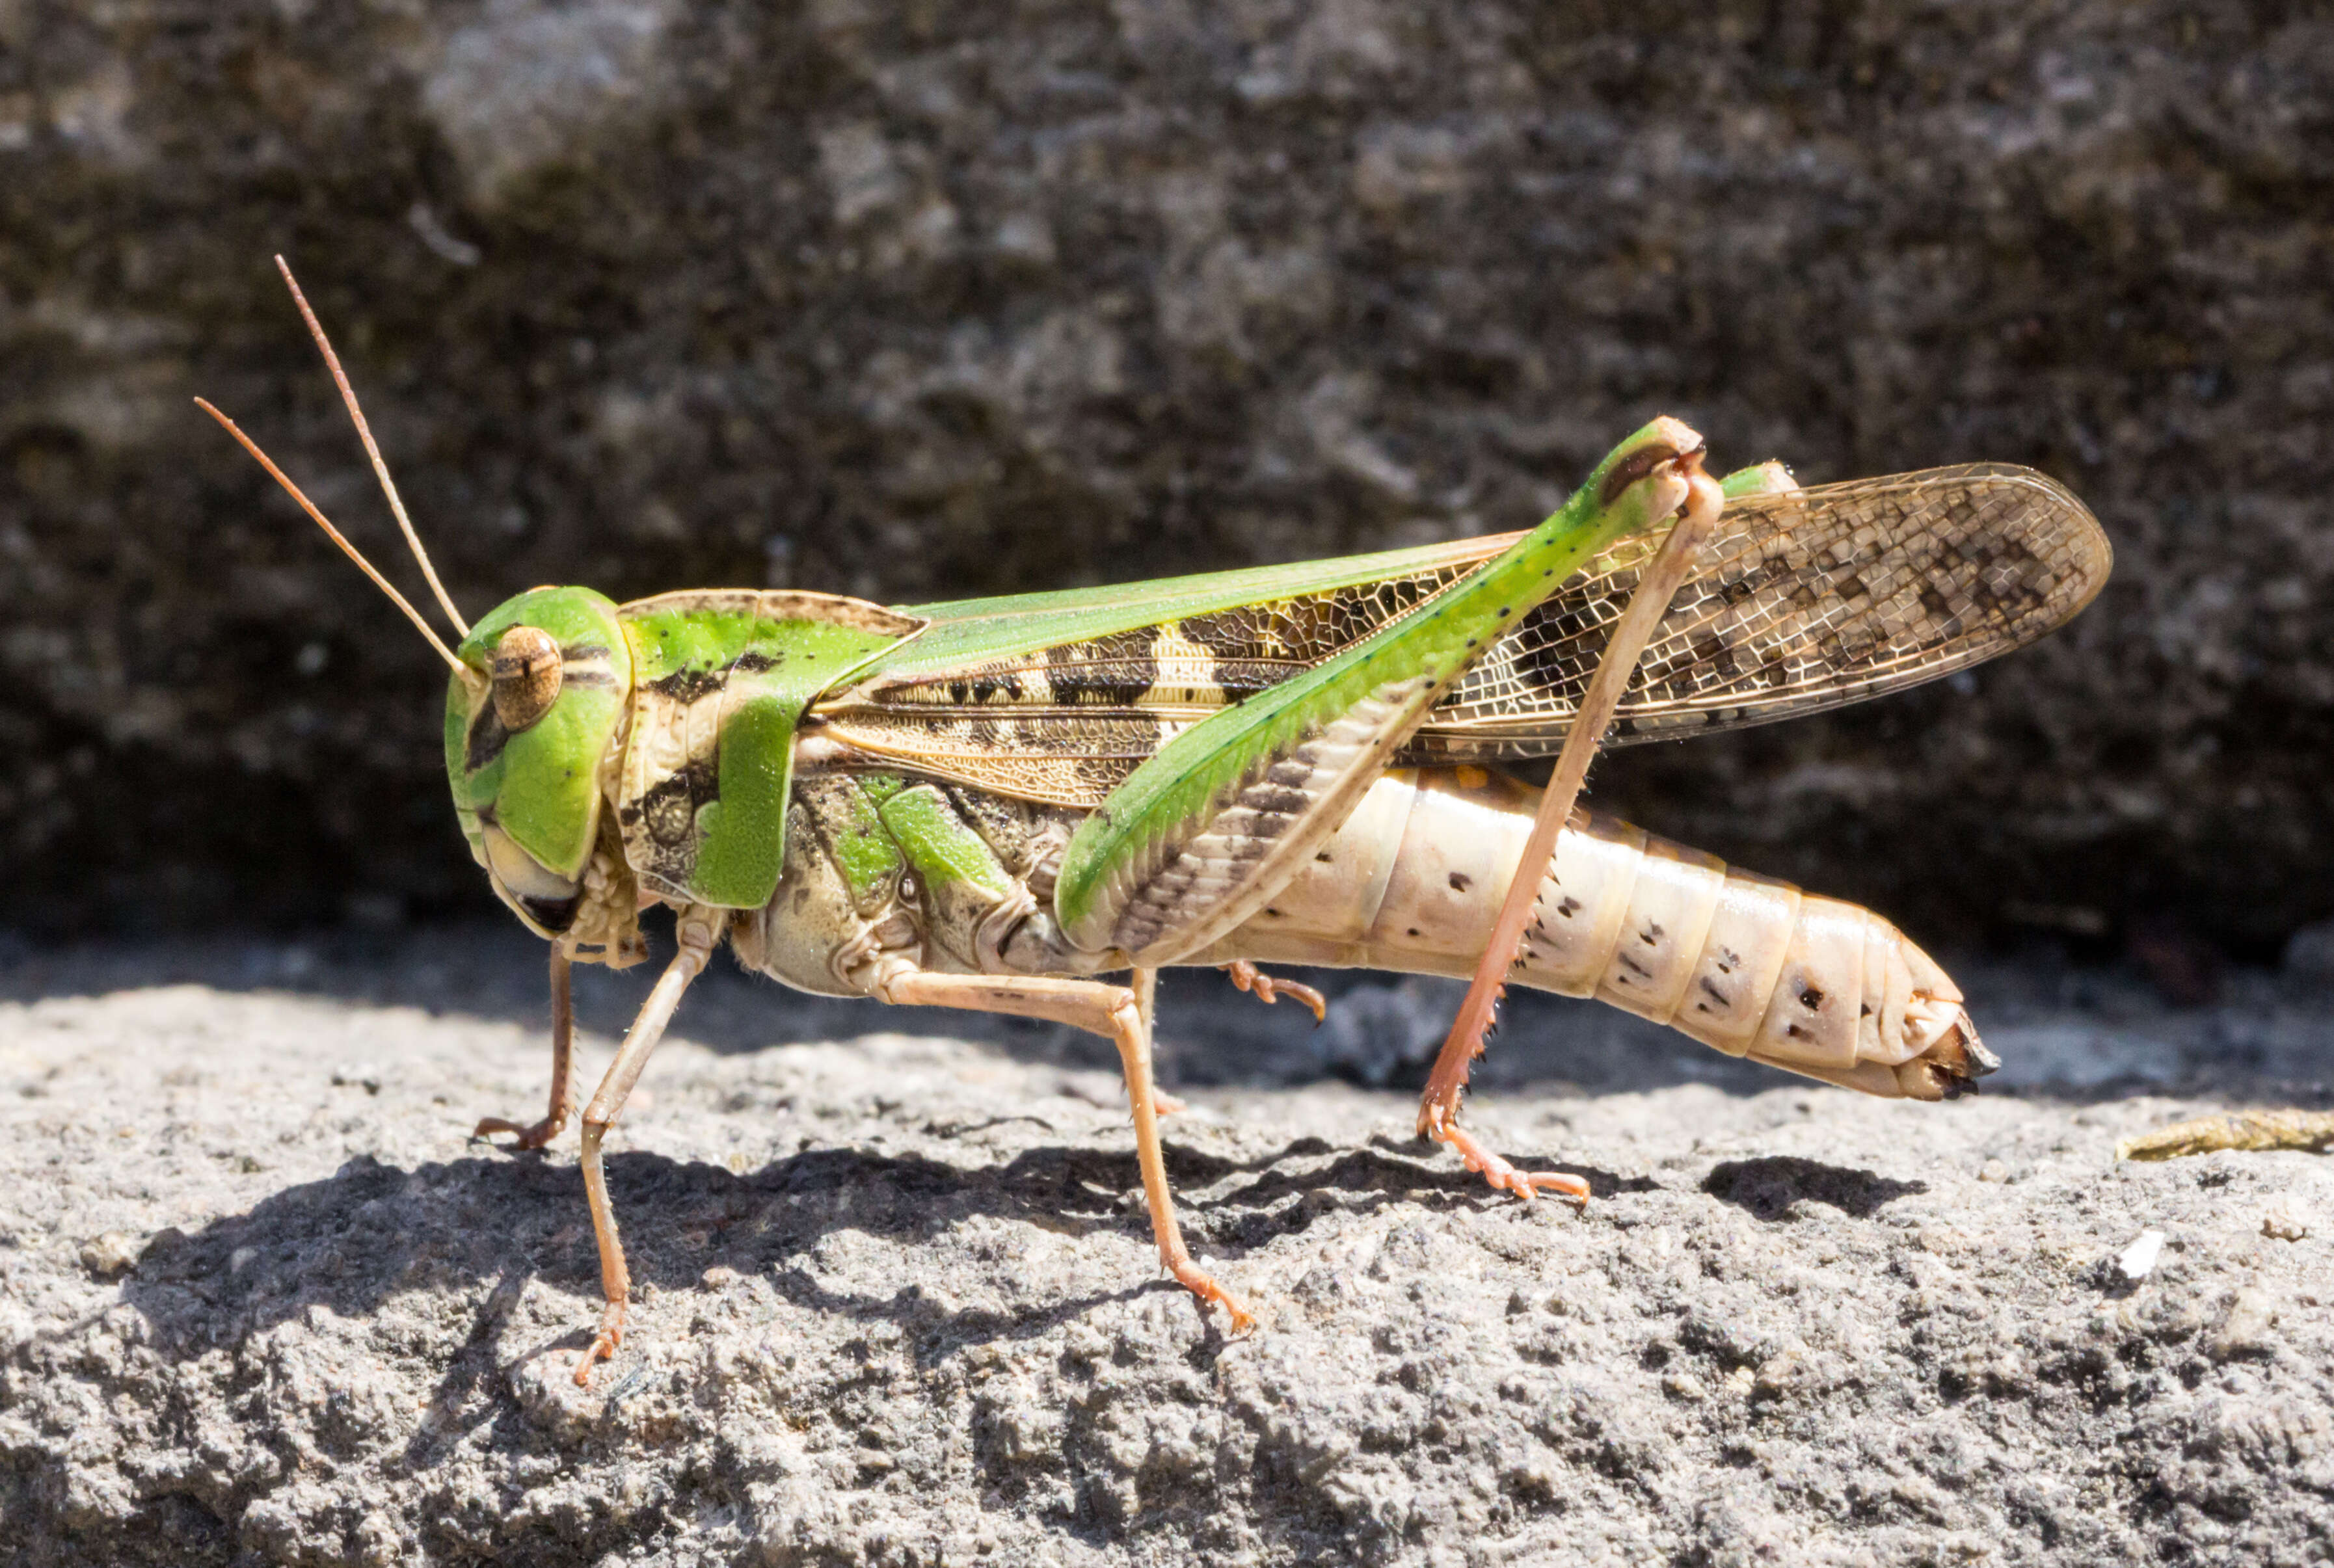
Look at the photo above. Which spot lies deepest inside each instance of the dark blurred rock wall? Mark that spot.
(918, 299)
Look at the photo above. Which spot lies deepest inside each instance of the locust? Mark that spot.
(1029, 805)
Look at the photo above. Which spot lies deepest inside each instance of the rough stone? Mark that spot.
(926, 301)
(898, 1304)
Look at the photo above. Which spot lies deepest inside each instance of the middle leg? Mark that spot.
(1121, 1014)
(1268, 990)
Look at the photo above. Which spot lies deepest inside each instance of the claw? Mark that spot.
(538, 1135)
(1268, 990)
(604, 1345)
(1201, 1284)
(1504, 1176)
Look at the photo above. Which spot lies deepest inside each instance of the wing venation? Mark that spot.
(1800, 602)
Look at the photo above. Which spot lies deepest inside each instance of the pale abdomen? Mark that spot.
(1746, 964)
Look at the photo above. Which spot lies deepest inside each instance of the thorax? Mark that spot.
(885, 872)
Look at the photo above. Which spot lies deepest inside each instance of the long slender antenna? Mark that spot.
(364, 432)
(309, 506)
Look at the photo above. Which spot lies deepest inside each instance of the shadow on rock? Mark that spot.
(354, 1241)
(1771, 1188)
(1379, 1034)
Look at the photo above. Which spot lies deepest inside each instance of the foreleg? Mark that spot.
(562, 1089)
(698, 929)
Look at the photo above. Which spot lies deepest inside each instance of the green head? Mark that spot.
(531, 713)
(540, 690)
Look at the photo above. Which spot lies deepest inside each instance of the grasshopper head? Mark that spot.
(531, 713)
(538, 701)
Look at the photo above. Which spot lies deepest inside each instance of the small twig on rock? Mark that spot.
(2306, 1130)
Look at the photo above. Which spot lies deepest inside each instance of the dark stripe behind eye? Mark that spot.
(487, 738)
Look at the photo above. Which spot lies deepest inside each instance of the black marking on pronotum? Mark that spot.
(686, 685)
(1460, 881)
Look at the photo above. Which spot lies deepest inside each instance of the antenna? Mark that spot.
(363, 565)
(364, 432)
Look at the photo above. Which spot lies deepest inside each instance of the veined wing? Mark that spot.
(1800, 602)
(1805, 602)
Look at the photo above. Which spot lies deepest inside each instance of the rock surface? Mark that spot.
(911, 302)
(261, 1302)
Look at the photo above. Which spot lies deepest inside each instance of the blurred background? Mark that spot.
(911, 300)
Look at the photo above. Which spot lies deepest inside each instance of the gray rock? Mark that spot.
(955, 300)
(2309, 958)
(899, 1304)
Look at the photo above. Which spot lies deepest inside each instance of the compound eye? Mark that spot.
(527, 672)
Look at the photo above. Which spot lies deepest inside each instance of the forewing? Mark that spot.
(1799, 603)
(1804, 601)
(1067, 721)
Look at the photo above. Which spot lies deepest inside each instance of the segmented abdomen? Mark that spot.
(1744, 964)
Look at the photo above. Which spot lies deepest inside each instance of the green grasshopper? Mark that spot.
(996, 804)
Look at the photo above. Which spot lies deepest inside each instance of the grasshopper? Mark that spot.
(1000, 804)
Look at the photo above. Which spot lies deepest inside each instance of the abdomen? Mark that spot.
(1744, 964)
